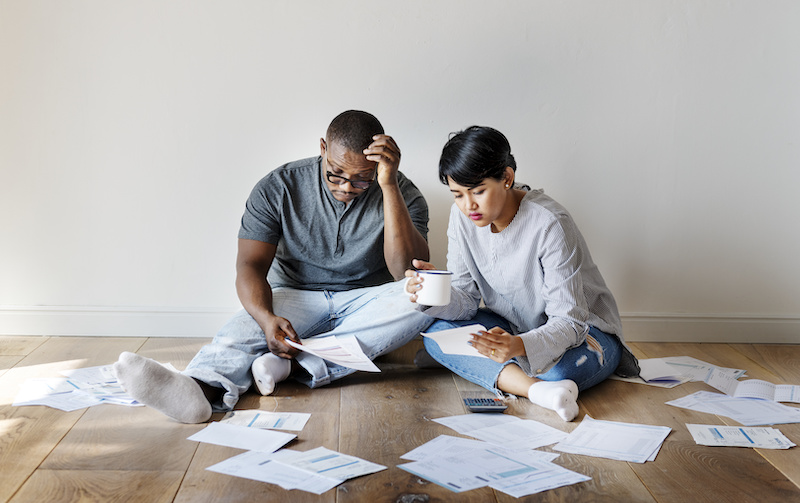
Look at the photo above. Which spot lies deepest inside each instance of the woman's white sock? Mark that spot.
(268, 370)
(560, 396)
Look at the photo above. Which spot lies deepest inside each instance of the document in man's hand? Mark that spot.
(341, 350)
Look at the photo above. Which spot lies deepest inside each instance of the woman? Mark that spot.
(519, 252)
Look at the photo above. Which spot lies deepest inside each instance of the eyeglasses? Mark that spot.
(340, 180)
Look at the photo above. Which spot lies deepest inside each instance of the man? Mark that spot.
(322, 244)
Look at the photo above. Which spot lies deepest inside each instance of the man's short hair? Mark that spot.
(353, 130)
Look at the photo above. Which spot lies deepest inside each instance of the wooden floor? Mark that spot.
(115, 453)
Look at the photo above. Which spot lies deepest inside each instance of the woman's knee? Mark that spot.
(588, 364)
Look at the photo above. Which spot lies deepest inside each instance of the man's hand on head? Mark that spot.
(386, 153)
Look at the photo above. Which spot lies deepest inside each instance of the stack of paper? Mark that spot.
(734, 436)
(608, 439)
(671, 371)
(461, 464)
(698, 370)
(317, 470)
(79, 389)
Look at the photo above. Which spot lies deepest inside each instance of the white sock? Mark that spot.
(560, 396)
(268, 370)
(175, 395)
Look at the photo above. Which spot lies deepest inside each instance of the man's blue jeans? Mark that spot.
(380, 317)
(584, 364)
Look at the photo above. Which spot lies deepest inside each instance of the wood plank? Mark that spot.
(137, 441)
(55, 486)
(8, 362)
(27, 435)
(774, 363)
(730, 474)
(18, 345)
(116, 437)
(33, 431)
(780, 360)
(781, 364)
(136, 438)
(135, 454)
(386, 415)
(612, 481)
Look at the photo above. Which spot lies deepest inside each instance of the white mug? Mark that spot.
(435, 289)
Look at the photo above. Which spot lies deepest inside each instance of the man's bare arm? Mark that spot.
(402, 242)
(253, 261)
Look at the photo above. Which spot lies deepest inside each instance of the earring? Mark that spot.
(507, 185)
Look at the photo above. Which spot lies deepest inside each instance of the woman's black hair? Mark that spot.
(475, 154)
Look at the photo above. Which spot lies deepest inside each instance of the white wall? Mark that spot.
(132, 132)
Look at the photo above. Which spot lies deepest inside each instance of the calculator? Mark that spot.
(483, 403)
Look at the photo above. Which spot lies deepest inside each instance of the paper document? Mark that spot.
(57, 393)
(504, 430)
(671, 371)
(747, 411)
(698, 370)
(655, 372)
(608, 439)
(446, 445)
(734, 436)
(344, 351)
(80, 388)
(456, 341)
(332, 464)
(316, 471)
(465, 423)
(462, 465)
(753, 388)
(294, 421)
(265, 467)
(101, 374)
(242, 437)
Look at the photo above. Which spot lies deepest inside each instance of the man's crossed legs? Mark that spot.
(381, 318)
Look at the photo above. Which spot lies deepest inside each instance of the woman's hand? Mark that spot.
(498, 344)
(414, 282)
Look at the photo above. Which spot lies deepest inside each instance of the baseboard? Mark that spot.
(711, 328)
(112, 322)
(205, 322)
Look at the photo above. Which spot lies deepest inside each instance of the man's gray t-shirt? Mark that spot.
(322, 243)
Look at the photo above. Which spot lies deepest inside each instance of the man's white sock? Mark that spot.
(175, 395)
(268, 370)
(560, 396)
